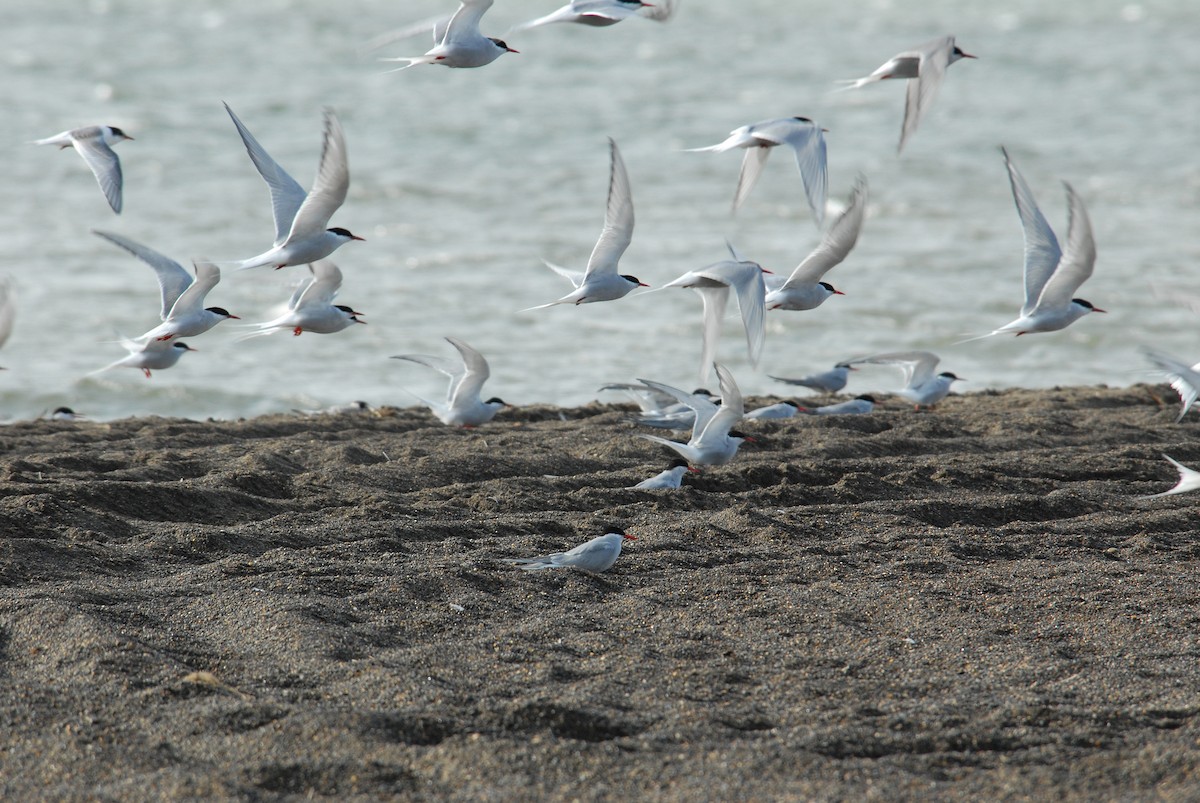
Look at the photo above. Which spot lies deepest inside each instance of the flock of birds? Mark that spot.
(303, 236)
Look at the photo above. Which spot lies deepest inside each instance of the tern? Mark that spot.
(600, 280)
(859, 405)
(922, 387)
(784, 409)
(713, 283)
(924, 67)
(602, 13)
(182, 296)
(830, 381)
(597, 555)
(671, 477)
(311, 307)
(301, 218)
(804, 290)
(802, 135)
(1052, 275)
(713, 441)
(149, 355)
(458, 43)
(94, 143)
(463, 406)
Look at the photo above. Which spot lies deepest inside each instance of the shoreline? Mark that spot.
(965, 603)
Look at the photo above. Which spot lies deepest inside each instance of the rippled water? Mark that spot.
(463, 180)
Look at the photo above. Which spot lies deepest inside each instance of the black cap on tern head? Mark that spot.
(496, 400)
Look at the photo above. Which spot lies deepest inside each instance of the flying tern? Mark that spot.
(1052, 275)
(802, 135)
(149, 355)
(924, 67)
(463, 406)
(458, 42)
(922, 387)
(301, 218)
(713, 441)
(713, 283)
(600, 281)
(94, 143)
(804, 290)
(597, 555)
(311, 307)
(182, 296)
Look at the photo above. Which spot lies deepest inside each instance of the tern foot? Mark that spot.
(297, 331)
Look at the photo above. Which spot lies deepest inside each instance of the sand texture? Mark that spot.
(967, 603)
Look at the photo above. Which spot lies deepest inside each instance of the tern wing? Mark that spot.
(731, 411)
(703, 408)
(173, 278)
(837, 242)
(917, 365)
(752, 167)
(1042, 252)
(934, 59)
(191, 300)
(465, 387)
(618, 220)
(330, 186)
(1184, 378)
(808, 144)
(105, 166)
(320, 292)
(464, 25)
(1077, 261)
(286, 194)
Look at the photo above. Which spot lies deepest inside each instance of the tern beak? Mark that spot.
(356, 237)
(969, 56)
(1097, 309)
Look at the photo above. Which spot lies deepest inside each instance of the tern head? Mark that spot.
(344, 234)
(741, 436)
(621, 532)
(831, 289)
(117, 134)
(498, 43)
(179, 344)
(679, 462)
(845, 365)
(1087, 305)
(951, 377)
(224, 313)
(958, 53)
(633, 280)
(497, 400)
(866, 397)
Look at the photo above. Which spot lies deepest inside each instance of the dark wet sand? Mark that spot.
(968, 603)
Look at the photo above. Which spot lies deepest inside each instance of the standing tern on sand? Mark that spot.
(458, 42)
(182, 313)
(597, 555)
(804, 290)
(713, 283)
(713, 441)
(602, 13)
(802, 135)
(922, 387)
(94, 143)
(600, 280)
(301, 218)
(924, 67)
(311, 307)
(671, 477)
(463, 406)
(1052, 275)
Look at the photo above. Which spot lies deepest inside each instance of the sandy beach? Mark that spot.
(971, 602)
